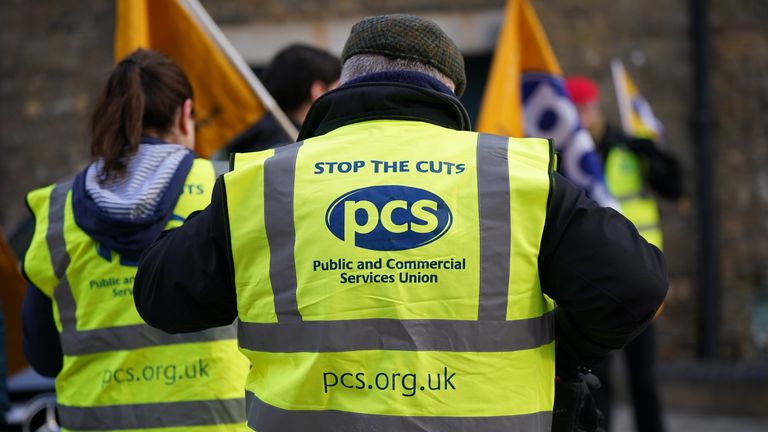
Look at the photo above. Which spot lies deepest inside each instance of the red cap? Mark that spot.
(582, 89)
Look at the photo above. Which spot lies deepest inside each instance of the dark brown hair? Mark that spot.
(290, 75)
(143, 93)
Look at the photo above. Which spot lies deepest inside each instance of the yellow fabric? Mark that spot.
(37, 260)
(37, 264)
(103, 292)
(624, 175)
(522, 46)
(153, 375)
(634, 121)
(242, 159)
(224, 102)
(494, 383)
(251, 270)
(491, 384)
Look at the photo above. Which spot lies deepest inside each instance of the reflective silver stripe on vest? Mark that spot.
(398, 335)
(263, 417)
(135, 337)
(220, 167)
(279, 179)
(60, 260)
(153, 415)
(54, 236)
(495, 231)
(76, 342)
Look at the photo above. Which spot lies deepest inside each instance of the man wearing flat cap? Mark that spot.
(395, 271)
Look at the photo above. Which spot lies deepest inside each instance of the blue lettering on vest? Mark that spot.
(387, 218)
(106, 254)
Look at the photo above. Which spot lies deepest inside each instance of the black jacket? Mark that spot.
(663, 174)
(607, 281)
(262, 135)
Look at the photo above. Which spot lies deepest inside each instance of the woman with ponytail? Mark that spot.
(113, 371)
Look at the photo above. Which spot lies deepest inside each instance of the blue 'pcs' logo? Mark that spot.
(387, 218)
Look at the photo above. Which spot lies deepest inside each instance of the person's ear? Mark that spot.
(187, 118)
(185, 125)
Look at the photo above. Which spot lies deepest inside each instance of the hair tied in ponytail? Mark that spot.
(134, 101)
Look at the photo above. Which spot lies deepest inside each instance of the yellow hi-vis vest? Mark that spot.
(626, 182)
(387, 279)
(118, 372)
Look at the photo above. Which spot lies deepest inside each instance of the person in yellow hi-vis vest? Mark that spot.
(634, 167)
(114, 372)
(394, 271)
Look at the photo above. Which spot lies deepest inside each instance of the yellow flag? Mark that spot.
(224, 102)
(637, 118)
(522, 47)
(525, 96)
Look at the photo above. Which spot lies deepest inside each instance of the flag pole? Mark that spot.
(199, 13)
(618, 72)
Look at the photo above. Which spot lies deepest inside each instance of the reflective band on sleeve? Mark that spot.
(263, 417)
(279, 178)
(220, 167)
(135, 337)
(495, 231)
(398, 335)
(154, 415)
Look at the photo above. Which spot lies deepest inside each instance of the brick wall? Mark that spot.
(740, 115)
(234, 11)
(55, 56)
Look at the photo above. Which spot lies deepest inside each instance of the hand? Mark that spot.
(575, 409)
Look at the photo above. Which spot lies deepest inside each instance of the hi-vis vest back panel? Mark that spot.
(625, 179)
(387, 279)
(118, 372)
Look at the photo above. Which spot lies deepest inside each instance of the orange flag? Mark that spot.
(225, 102)
(525, 96)
(12, 286)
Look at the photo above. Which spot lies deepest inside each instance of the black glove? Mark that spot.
(575, 409)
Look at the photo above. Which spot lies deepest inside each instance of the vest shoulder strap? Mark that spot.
(239, 160)
(46, 259)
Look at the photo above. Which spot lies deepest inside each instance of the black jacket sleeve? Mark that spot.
(606, 279)
(185, 280)
(664, 171)
(41, 343)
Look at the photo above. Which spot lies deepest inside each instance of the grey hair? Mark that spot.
(364, 64)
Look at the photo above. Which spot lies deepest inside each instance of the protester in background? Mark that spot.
(633, 168)
(390, 270)
(296, 77)
(80, 325)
